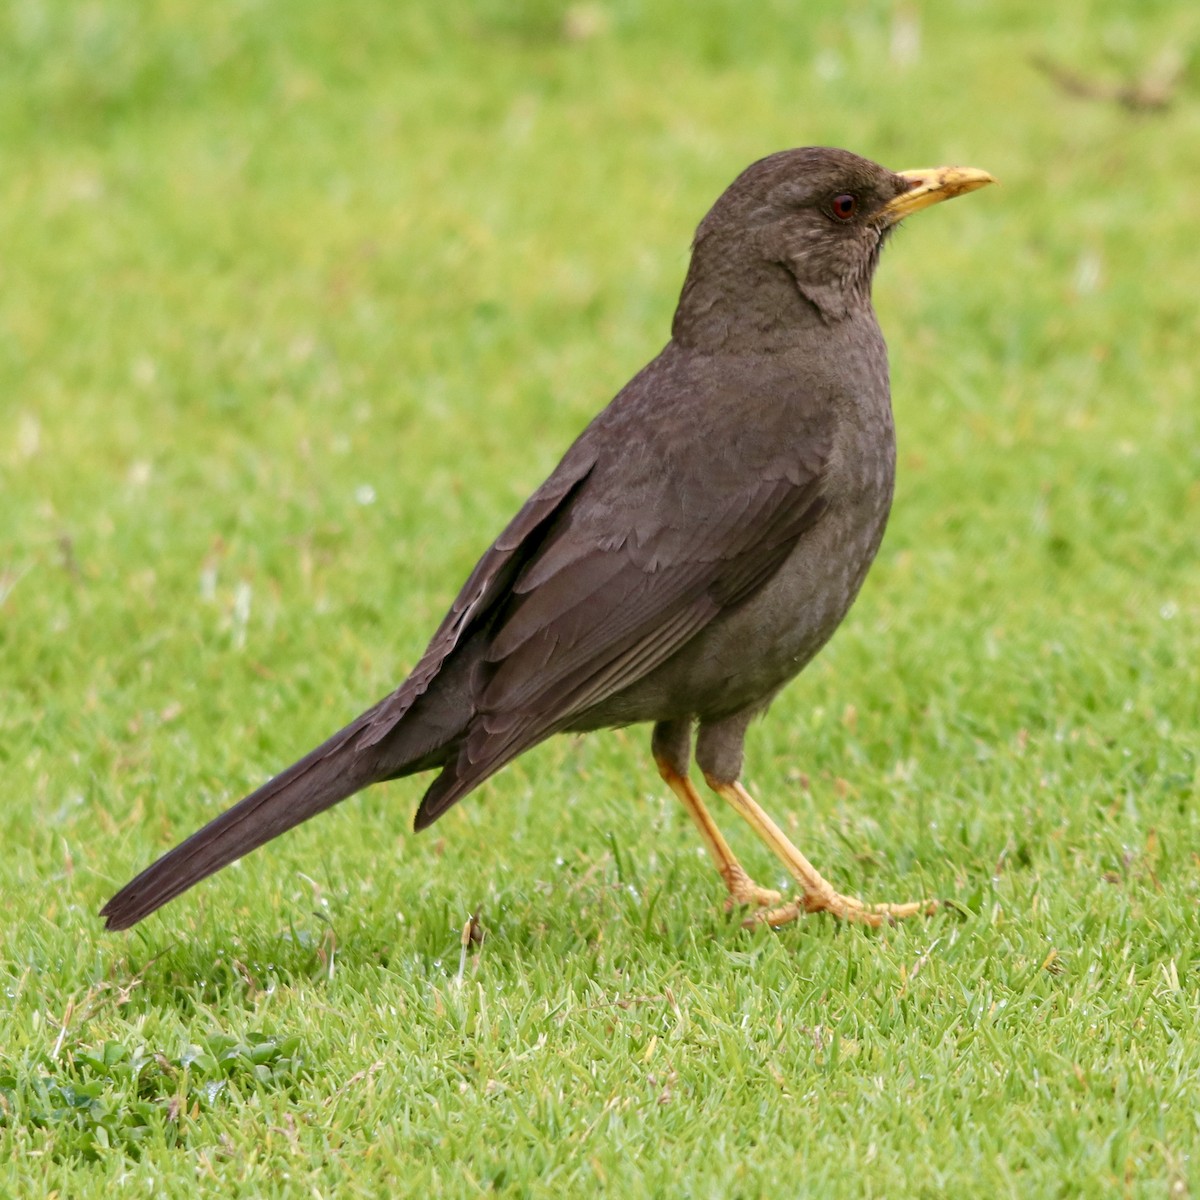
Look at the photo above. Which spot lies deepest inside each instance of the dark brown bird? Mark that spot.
(696, 546)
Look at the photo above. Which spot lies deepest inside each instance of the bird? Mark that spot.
(696, 546)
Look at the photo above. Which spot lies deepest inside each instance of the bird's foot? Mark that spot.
(743, 891)
(817, 894)
(847, 908)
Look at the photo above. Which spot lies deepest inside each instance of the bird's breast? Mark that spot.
(748, 653)
(797, 611)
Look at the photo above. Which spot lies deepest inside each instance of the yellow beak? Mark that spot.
(932, 185)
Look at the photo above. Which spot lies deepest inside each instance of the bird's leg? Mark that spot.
(819, 895)
(742, 889)
(719, 755)
(668, 739)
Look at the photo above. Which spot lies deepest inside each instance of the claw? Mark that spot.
(748, 893)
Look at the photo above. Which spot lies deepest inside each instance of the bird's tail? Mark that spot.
(334, 770)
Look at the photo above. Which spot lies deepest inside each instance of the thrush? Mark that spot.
(696, 546)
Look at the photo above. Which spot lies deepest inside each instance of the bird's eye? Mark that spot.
(844, 206)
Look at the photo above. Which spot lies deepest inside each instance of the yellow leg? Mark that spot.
(818, 894)
(742, 889)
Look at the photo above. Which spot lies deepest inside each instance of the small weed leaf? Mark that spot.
(85, 1100)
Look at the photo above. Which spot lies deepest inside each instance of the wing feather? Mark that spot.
(487, 585)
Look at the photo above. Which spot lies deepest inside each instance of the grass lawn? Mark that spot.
(297, 303)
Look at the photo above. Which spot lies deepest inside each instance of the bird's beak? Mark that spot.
(932, 185)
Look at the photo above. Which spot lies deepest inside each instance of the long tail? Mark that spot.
(334, 770)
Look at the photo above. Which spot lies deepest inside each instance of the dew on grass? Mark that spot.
(29, 435)
(241, 613)
(208, 583)
(904, 46)
(828, 66)
(139, 473)
(1088, 273)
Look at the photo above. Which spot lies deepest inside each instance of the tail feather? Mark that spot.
(429, 736)
(333, 771)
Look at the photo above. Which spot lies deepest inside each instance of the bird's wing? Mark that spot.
(586, 609)
(487, 584)
(635, 562)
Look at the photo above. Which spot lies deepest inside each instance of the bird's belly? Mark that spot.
(746, 655)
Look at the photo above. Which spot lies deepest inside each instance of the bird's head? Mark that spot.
(799, 234)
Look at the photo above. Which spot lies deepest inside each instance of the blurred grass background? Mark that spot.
(297, 303)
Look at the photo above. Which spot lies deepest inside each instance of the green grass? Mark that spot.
(297, 302)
